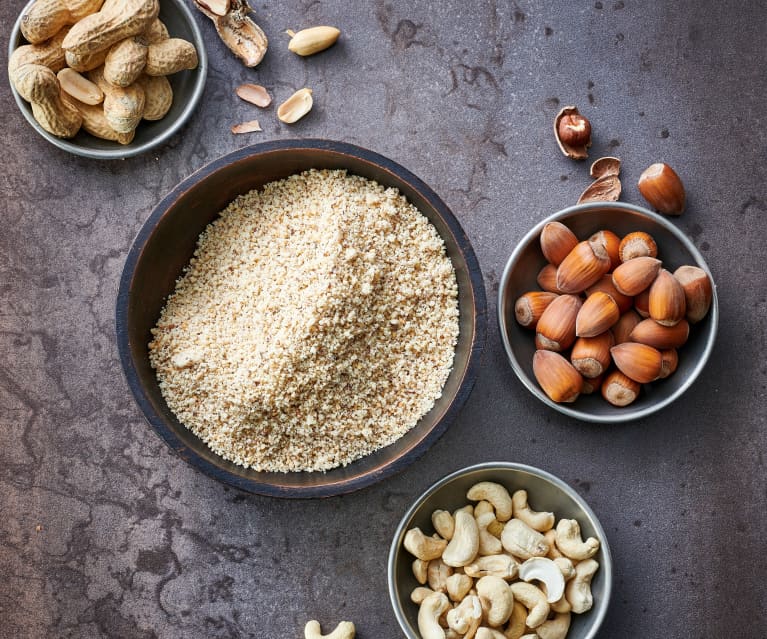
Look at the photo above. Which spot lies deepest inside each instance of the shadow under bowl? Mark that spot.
(188, 87)
(164, 246)
(674, 249)
(545, 492)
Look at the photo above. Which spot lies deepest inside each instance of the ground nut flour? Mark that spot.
(315, 323)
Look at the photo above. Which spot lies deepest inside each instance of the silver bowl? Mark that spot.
(546, 492)
(519, 276)
(188, 87)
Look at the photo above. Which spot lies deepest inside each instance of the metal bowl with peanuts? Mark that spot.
(674, 249)
(187, 86)
(545, 495)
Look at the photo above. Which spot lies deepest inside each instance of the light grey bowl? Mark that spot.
(545, 491)
(187, 86)
(519, 276)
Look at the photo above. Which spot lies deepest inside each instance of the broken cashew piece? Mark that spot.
(443, 523)
(458, 586)
(488, 544)
(578, 589)
(419, 594)
(551, 539)
(548, 573)
(464, 545)
(466, 616)
(503, 566)
(429, 613)
(344, 630)
(496, 593)
(534, 600)
(496, 494)
(522, 541)
(437, 573)
(540, 521)
(570, 542)
(488, 633)
(423, 547)
(555, 628)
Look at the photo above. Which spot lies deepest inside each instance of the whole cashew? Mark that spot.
(443, 523)
(428, 616)
(534, 600)
(551, 539)
(464, 545)
(437, 573)
(488, 633)
(555, 628)
(458, 586)
(503, 566)
(570, 542)
(517, 622)
(496, 494)
(488, 544)
(522, 541)
(496, 593)
(466, 616)
(540, 521)
(423, 547)
(344, 630)
(420, 570)
(578, 589)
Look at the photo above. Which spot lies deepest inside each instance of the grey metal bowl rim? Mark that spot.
(624, 415)
(606, 569)
(121, 152)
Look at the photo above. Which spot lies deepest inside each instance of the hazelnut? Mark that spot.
(663, 189)
(574, 129)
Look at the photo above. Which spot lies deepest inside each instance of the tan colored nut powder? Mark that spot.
(315, 324)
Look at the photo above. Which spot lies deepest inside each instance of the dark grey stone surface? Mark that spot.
(104, 533)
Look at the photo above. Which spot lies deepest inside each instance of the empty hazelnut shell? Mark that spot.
(573, 133)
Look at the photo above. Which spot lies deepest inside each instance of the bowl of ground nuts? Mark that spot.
(496, 551)
(607, 311)
(107, 80)
(301, 318)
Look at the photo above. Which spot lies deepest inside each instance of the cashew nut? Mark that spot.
(458, 586)
(429, 613)
(419, 594)
(555, 628)
(503, 566)
(466, 616)
(423, 547)
(344, 630)
(517, 622)
(534, 600)
(495, 527)
(551, 539)
(496, 494)
(488, 633)
(420, 570)
(437, 573)
(500, 601)
(521, 540)
(540, 521)
(443, 523)
(570, 542)
(578, 589)
(463, 547)
(566, 567)
(488, 545)
(548, 573)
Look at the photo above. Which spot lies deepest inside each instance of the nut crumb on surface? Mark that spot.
(315, 323)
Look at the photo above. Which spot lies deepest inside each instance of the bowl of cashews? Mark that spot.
(500, 550)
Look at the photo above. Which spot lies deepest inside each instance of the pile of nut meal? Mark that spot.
(315, 323)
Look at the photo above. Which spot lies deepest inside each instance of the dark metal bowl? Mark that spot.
(546, 492)
(187, 87)
(674, 248)
(164, 246)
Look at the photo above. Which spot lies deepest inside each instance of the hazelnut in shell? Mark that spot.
(669, 362)
(634, 276)
(605, 284)
(642, 303)
(547, 279)
(556, 242)
(637, 244)
(698, 291)
(625, 325)
(660, 185)
(573, 133)
(556, 376)
(591, 355)
(555, 330)
(667, 304)
(598, 313)
(591, 385)
(530, 306)
(582, 267)
(620, 390)
(658, 336)
(638, 361)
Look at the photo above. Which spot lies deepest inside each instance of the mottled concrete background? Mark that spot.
(104, 533)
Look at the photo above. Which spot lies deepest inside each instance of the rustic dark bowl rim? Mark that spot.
(628, 413)
(120, 152)
(392, 466)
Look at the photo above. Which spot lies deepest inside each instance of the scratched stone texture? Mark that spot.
(105, 533)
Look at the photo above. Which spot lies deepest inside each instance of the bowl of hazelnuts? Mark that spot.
(607, 312)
